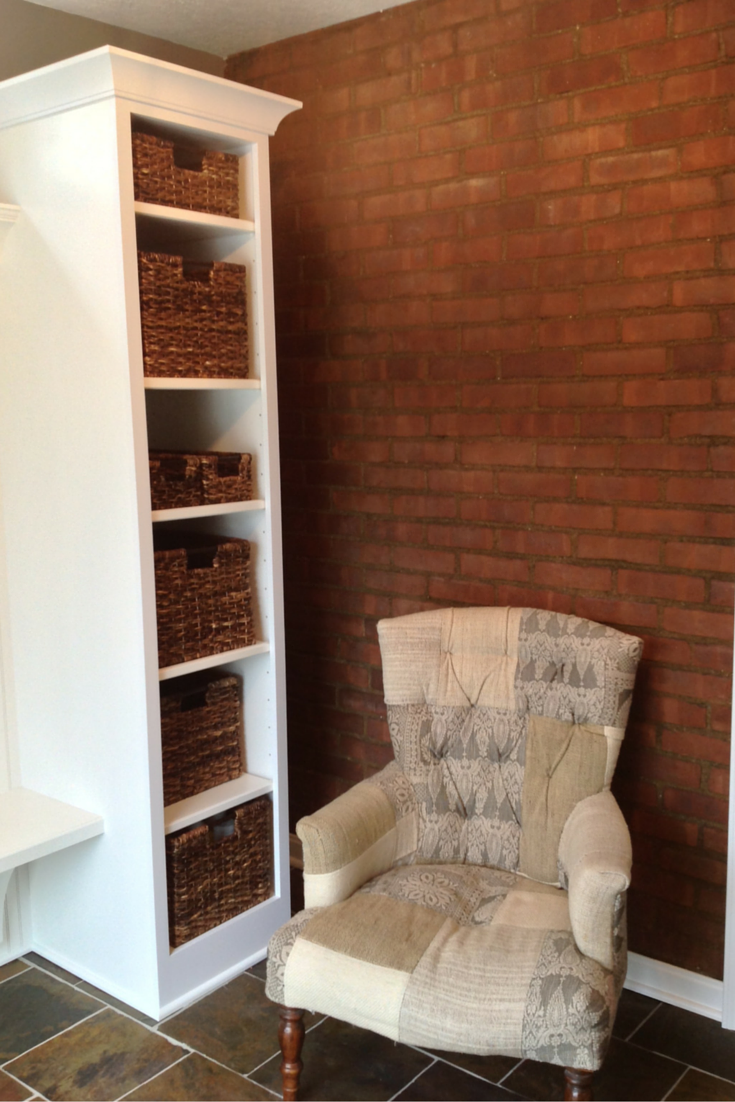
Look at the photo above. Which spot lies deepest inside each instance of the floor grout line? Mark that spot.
(643, 1022)
(674, 1085)
(423, 1071)
(137, 1086)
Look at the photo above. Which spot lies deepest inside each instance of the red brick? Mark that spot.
(497, 156)
(704, 84)
(534, 484)
(538, 364)
(487, 94)
(580, 143)
(555, 242)
(423, 397)
(670, 392)
(681, 53)
(422, 170)
(668, 126)
(490, 566)
(662, 327)
(629, 233)
(537, 424)
(417, 111)
(521, 542)
(455, 311)
(701, 13)
(670, 587)
(569, 576)
(701, 557)
(487, 338)
(467, 192)
(633, 166)
(488, 32)
(495, 511)
(425, 227)
(670, 194)
(534, 53)
(575, 75)
(664, 457)
(580, 331)
(626, 614)
(457, 592)
(576, 456)
(623, 361)
(451, 135)
(501, 395)
(708, 357)
(580, 208)
(521, 120)
(546, 178)
(480, 220)
(612, 102)
(656, 825)
(698, 622)
(709, 222)
(574, 516)
(708, 153)
(498, 453)
(540, 305)
(696, 806)
(704, 292)
(359, 180)
(567, 13)
(497, 277)
(618, 549)
(454, 536)
(482, 250)
(420, 559)
(672, 258)
(625, 296)
(573, 270)
(619, 33)
(701, 491)
(616, 488)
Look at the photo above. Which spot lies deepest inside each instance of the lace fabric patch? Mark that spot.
(468, 894)
(465, 765)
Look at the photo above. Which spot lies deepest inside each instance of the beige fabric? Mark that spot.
(614, 736)
(455, 657)
(321, 889)
(345, 828)
(564, 763)
(355, 991)
(533, 910)
(381, 931)
(596, 854)
(468, 993)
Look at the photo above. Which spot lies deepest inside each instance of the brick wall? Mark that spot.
(505, 277)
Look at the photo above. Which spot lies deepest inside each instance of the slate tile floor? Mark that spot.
(62, 1039)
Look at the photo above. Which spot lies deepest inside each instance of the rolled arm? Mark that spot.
(357, 836)
(595, 853)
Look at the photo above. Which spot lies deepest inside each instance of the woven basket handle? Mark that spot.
(192, 159)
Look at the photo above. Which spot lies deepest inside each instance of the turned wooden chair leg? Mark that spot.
(291, 1038)
(577, 1085)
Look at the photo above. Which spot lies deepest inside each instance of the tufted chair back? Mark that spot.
(502, 720)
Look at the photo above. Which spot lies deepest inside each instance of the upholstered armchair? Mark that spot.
(471, 895)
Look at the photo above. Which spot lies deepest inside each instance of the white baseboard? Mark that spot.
(676, 986)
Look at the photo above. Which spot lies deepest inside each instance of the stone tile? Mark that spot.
(49, 966)
(10, 1091)
(444, 1081)
(12, 968)
(633, 1009)
(236, 1025)
(628, 1073)
(259, 970)
(689, 1037)
(696, 1085)
(341, 1061)
(96, 993)
(100, 1059)
(195, 1078)
(493, 1068)
(34, 1007)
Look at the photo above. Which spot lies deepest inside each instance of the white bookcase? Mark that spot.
(77, 417)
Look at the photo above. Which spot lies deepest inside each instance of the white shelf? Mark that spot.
(193, 511)
(214, 800)
(192, 224)
(211, 660)
(154, 382)
(33, 826)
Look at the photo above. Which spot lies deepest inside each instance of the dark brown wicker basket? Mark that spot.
(201, 723)
(193, 318)
(181, 480)
(218, 869)
(203, 598)
(177, 176)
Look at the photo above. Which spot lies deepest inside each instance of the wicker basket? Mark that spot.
(218, 869)
(181, 480)
(176, 176)
(193, 317)
(201, 721)
(203, 598)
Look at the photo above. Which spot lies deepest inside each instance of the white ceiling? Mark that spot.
(221, 27)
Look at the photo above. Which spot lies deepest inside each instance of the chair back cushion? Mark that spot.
(503, 719)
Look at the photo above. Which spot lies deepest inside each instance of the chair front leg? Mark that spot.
(577, 1085)
(291, 1038)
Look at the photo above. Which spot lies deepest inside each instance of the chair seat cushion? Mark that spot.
(456, 957)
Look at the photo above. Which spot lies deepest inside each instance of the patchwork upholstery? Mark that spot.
(471, 896)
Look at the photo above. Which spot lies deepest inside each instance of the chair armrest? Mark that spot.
(357, 836)
(596, 855)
